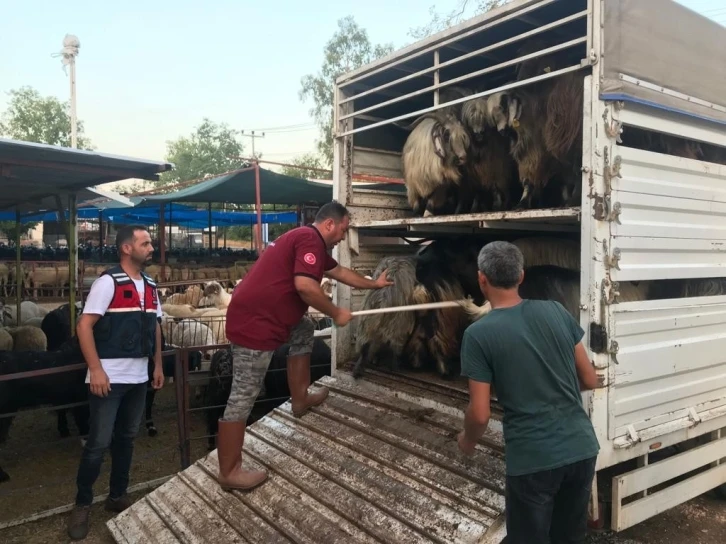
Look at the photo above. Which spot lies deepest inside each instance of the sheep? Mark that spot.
(28, 338)
(490, 173)
(216, 320)
(34, 322)
(28, 310)
(180, 310)
(274, 390)
(546, 250)
(6, 340)
(432, 156)
(189, 332)
(54, 389)
(215, 295)
(191, 296)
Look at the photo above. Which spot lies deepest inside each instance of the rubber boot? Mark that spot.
(298, 380)
(230, 439)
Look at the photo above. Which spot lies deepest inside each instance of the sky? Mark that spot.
(150, 71)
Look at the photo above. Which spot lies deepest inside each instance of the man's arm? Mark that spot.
(585, 369)
(352, 278)
(313, 295)
(478, 412)
(99, 382)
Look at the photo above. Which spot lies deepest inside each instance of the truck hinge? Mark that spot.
(610, 290)
(611, 261)
(633, 434)
(604, 209)
(693, 415)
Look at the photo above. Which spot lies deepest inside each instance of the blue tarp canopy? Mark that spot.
(176, 214)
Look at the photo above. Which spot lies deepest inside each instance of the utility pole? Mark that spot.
(71, 46)
(253, 136)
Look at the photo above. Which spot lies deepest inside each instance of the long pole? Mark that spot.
(411, 308)
(259, 208)
(74, 137)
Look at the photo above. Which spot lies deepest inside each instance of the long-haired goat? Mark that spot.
(490, 174)
(383, 337)
(432, 157)
(544, 122)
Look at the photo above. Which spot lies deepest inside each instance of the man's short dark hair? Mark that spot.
(332, 210)
(502, 264)
(125, 235)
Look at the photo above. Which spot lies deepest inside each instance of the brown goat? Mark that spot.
(490, 174)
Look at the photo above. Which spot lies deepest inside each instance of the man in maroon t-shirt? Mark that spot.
(267, 310)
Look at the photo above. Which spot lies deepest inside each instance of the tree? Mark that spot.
(309, 160)
(31, 117)
(442, 22)
(210, 150)
(348, 49)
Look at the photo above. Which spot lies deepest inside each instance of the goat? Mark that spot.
(490, 173)
(432, 156)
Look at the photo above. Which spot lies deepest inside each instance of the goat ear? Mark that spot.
(515, 111)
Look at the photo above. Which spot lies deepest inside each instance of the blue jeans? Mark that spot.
(549, 506)
(114, 422)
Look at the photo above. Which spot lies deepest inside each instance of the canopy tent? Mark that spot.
(239, 188)
(34, 177)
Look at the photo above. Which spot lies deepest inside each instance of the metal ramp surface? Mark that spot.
(377, 462)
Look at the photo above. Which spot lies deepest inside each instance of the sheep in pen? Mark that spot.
(430, 340)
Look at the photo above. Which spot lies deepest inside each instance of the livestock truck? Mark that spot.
(648, 66)
(378, 461)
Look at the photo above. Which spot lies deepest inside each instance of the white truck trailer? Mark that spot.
(648, 64)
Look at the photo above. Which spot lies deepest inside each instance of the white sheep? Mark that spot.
(215, 295)
(6, 340)
(190, 332)
(28, 310)
(28, 338)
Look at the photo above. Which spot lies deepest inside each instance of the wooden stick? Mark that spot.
(412, 307)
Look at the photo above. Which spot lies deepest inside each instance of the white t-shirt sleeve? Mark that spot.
(100, 296)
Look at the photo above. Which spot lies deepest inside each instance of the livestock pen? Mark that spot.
(37, 467)
(634, 186)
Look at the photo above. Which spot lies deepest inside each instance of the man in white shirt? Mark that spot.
(118, 332)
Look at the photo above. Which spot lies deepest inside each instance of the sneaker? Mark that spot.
(118, 505)
(78, 522)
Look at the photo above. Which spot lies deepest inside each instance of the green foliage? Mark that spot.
(210, 150)
(31, 117)
(441, 22)
(309, 160)
(348, 49)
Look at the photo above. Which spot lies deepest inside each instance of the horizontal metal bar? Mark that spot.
(465, 99)
(446, 42)
(470, 75)
(476, 53)
(42, 372)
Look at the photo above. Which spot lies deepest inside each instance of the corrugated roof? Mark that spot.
(31, 174)
(377, 462)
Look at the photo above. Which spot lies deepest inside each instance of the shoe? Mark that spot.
(298, 380)
(78, 522)
(230, 439)
(118, 505)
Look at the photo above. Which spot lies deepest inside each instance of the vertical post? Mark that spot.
(259, 207)
(100, 235)
(19, 279)
(171, 209)
(162, 245)
(209, 221)
(74, 138)
(437, 77)
(72, 257)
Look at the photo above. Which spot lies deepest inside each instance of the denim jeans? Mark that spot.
(549, 506)
(114, 422)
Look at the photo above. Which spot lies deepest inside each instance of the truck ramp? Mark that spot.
(377, 462)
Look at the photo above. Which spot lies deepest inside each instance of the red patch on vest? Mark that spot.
(309, 258)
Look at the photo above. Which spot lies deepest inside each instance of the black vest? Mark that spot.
(126, 330)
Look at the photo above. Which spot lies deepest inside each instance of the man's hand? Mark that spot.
(382, 280)
(342, 317)
(466, 446)
(100, 384)
(158, 379)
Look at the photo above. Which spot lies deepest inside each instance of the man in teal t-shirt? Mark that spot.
(531, 353)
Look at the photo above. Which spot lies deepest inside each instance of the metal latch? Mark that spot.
(693, 415)
(633, 434)
(611, 261)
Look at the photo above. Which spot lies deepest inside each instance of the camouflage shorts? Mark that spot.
(249, 367)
